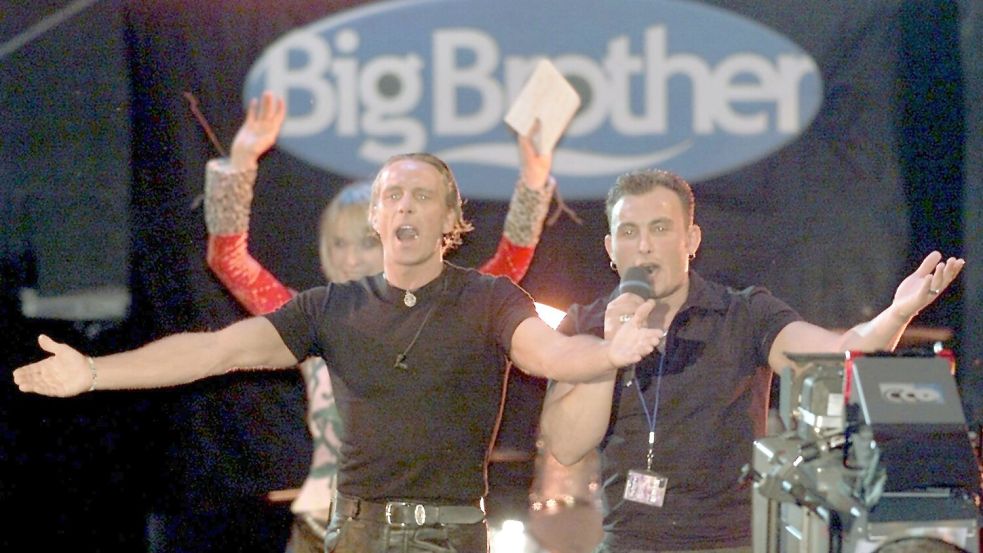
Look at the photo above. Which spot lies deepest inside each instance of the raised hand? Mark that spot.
(534, 165)
(258, 132)
(619, 311)
(927, 283)
(633, 340)
(65, 373)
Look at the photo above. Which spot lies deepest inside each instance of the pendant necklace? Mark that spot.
(409, 300)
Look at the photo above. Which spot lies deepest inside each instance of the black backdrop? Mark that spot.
(102, 161)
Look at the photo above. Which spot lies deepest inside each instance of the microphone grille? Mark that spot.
(635, 280)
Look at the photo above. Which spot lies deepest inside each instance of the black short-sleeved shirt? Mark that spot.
(422, 432)
(712, 406)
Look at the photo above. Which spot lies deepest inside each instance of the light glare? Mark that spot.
(550, 315)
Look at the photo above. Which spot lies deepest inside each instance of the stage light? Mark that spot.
(550, 315)
(511, 538)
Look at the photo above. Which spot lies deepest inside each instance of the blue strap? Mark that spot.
(653, 416)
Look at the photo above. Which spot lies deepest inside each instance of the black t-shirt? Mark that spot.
(712, 406)
(422, 432)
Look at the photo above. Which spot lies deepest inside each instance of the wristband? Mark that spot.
(95, 373)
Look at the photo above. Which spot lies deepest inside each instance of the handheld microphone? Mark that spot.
(636, 281)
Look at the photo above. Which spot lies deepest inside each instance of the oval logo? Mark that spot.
(909, 392)
(672, 84)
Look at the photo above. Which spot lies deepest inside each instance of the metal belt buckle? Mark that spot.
(389, 513)
(419, 514)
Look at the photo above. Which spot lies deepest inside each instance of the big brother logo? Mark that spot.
(671, 84)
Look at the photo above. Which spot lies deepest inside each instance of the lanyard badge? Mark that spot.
(646, 486)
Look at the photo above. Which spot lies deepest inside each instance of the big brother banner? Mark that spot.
(681, 85)
(783, 119)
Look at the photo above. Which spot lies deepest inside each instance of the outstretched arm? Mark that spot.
(527, 212)
(171, 361)
(228, 195)
(883, 332)
(539, 350)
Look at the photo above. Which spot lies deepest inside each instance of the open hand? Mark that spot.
(259, 131)
(618, 311)
(633, 340)
(65, 373)
(927, 283)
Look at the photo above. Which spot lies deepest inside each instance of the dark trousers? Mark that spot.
(347, 535)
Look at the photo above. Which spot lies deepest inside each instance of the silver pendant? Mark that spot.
(409, 300)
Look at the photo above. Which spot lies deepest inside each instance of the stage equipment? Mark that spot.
(877, 449)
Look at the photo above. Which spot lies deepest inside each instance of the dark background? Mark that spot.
(102, 160)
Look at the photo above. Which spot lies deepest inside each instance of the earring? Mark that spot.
(613, 266)
(692, 256)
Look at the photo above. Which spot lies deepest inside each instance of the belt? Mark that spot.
(408, 513)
